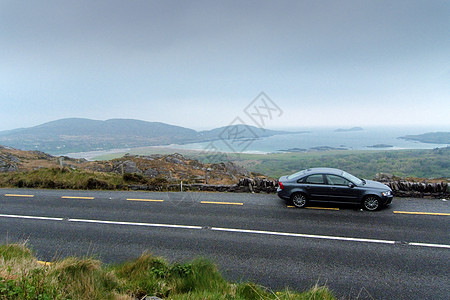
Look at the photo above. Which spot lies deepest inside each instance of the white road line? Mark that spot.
(247, 231)
(31, 217)
(135, 224)
(430, 245)
(325, 237)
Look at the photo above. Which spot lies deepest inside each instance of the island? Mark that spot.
(429, 137)
(381, 146)
(293, 150)
(349, 129)
(326, 148)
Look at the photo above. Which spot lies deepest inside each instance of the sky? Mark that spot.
(200, 64)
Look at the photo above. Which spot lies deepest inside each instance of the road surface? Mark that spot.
(401, 252)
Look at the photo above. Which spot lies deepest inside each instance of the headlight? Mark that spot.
(387, 193)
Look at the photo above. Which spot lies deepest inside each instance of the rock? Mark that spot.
(236, 169)
(384, 177)
(13, 158)
(151, 298)
(147, 157)
(151, 172)
(128, 166)
(7, 165)
(174, 160)
(42, 155)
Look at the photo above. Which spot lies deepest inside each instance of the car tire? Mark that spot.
(299, 200)
(371, 203)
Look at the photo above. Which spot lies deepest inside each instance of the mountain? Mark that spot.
(80, 135)
(238, 132)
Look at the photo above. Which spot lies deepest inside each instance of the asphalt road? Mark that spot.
(401, 252)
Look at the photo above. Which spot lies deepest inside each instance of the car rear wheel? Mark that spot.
(299, 200)
(371, 203)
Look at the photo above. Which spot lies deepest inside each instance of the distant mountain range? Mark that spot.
(80, 135)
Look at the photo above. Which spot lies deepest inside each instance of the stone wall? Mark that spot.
(246, 185)
(418, 189)
(400, 187)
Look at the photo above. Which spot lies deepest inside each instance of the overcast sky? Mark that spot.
(198, 64)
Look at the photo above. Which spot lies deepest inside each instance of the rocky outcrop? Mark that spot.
(127, 166)
(172, 168)
(8, 163)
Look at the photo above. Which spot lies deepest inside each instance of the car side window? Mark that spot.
(337, 180)
(315, 179)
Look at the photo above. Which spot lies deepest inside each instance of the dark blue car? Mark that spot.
(333, 185)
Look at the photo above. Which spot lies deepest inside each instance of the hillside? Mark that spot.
(169, 168)
(81, 135)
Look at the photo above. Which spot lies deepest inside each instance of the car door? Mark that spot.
(316, 187)
(340, 189)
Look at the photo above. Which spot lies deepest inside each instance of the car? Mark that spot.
(333, 185)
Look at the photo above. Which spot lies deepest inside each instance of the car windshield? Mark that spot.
(352, 178)
(295, 175)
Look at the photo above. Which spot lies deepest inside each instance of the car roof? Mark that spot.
(323, 170)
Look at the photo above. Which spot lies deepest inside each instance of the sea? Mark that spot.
(307, 139)
(383, 138)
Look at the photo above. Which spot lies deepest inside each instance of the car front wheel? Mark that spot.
(299, 200)
(371, 203)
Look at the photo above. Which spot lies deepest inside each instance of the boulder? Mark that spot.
(151, 172)
(128, 166)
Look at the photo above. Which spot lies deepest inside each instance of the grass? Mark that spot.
(55, 178)
(22, 277)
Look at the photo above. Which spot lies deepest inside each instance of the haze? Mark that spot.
(198, 64)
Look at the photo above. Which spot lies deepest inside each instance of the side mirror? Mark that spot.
(351, 185)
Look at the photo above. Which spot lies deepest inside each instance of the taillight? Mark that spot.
(281, 185)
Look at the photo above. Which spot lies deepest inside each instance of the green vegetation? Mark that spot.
(434, 163)
(403, 163)
(23, 277)
(418, 163)
(65, 178)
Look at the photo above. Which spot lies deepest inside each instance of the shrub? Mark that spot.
(134, 177)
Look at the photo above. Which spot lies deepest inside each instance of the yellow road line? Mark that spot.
(74, 197)
(147, 200)
(421, 213)
(327, 208)
(17, 195)
(214, 202)
(290, 206)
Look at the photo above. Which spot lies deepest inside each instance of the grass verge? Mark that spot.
(55, 178)
(22, 277)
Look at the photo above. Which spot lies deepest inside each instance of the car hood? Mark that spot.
(376, 185)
